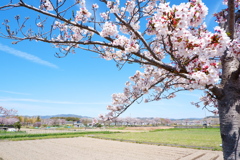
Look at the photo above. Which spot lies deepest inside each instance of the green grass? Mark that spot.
(117, 128)
(16, 137)
(191, 138)
(11, 133)
(203, 138)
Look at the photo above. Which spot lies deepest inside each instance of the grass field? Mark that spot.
(203, 138)
(17, 136)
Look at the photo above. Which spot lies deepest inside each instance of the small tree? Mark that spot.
(38, 119)
(18, 125)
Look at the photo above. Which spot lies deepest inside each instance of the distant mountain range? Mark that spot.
(172, 119)
(177, 119)
(79, 116)
(64, 115)
(60, 115)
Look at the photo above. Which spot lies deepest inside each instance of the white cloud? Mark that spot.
(47, 101)
(210, 17)
(197, 95)
(11, 92)
(26, 56)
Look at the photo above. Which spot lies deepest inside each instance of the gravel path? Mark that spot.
(85, 148)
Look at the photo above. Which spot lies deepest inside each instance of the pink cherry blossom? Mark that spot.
(95, 5)
(47, 5)
(109, 29)
(170, 42)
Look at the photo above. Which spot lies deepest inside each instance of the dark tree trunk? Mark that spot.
(229, 108)
(229, 114)
(229, 101)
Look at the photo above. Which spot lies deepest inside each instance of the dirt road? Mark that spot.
(84, 148)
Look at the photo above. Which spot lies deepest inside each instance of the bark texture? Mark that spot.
(229, 113)
(229, 102)
(229, 109)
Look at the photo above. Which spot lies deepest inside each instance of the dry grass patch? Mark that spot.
(148, 128)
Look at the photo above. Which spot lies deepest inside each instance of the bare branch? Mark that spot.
(231, 18)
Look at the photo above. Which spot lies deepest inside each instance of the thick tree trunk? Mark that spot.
(229, 114)
(229, 109)
(229, 102)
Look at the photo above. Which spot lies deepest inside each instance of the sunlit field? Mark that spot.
(18, 136)
(91, 144)
(203, 138)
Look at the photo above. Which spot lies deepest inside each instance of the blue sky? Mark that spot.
(34, 82)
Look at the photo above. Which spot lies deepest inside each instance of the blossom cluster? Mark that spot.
(69, 33)
(47, 5)
(82, 15)
(94, 121)
(174, 22)
(237, 2)
(109, 29)
(221, 17)
(181, 31)
(140, 84)
(7, 112)
(8, 121)
(95, 6)
(235, 47)
(176, 32)
(176, 17)
(129, 46)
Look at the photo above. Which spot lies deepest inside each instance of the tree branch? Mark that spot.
(231, 18)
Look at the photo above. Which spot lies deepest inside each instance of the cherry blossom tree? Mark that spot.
(120, 120)
(11, 121)
(127, 121)
(116, 121)
(141, 122)
(3, 120)
(170, 42)
(94, 121)
(7, 112)
(133, 121)
(52, 122)
(47, 122)
(37, 124)
(4, 113)
(86, 121)
(58, 122)
(157, 121)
